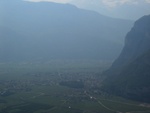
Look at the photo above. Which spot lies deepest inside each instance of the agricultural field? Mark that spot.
(60, 87)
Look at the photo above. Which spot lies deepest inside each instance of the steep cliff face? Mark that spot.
(137, 42)
(129, 75)
(133, 81)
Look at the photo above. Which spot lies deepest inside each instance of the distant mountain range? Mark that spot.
(127, 9)
(129, 76)
(34, 31)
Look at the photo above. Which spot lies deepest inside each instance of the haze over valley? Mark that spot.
(71, 57)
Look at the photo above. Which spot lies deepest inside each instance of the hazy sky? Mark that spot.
(130, 9)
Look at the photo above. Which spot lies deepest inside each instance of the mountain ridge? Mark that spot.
(136, 43)
(129, 76)
(54, 30)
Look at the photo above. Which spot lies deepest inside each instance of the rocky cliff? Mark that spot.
(129, 75)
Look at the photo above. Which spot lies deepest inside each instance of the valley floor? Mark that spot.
(59, 87)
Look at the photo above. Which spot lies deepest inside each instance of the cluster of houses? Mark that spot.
(8, 87)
